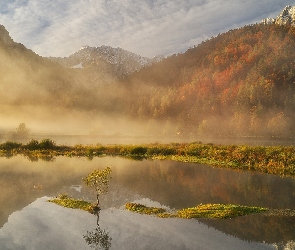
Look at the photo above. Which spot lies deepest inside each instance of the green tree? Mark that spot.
(99, 179)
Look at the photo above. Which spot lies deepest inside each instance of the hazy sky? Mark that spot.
(145, 27)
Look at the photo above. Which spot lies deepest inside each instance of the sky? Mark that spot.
(146, 27)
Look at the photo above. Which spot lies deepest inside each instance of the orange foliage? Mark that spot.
(232, 73)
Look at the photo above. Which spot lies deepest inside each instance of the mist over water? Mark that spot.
(74, 127)
(164, 102)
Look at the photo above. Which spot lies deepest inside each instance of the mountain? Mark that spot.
(48, 97)
(27, 78)
(239, 83)
(112, 61)
(45, 95)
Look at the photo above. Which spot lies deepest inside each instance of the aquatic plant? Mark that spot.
(217, 211)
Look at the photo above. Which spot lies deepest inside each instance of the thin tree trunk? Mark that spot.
(97, 200)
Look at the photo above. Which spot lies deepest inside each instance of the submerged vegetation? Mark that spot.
(278, 160)
(216, 211)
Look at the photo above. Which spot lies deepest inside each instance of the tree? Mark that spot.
(99, 179)
(278, 125)
(22, 131)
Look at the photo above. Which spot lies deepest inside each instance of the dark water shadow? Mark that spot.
(266, 228)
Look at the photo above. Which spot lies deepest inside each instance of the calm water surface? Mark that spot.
(28, 221)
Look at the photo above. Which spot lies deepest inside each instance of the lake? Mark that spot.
(28, 221)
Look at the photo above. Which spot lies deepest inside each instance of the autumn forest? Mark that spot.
(239, 83)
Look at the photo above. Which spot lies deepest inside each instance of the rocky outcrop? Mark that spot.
(116, 60)
(286, 17)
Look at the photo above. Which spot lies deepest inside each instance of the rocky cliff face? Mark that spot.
(286, 17)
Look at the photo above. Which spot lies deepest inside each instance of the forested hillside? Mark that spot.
(240, 83)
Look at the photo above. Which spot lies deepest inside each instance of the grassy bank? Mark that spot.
(278, 160)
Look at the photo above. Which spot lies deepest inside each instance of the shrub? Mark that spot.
(9, 145)
(32, 145)
(47, 144)
(138, 151)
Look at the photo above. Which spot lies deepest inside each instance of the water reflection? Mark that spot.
(279, 230)
(44, 225)
(173, 184)
(34, 158)
(47, 226)
(98, 238)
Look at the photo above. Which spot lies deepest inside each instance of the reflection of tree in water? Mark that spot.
(99, 179)
(98, 238)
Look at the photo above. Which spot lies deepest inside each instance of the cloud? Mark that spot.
(146, 27)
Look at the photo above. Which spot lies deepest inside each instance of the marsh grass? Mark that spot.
(277, 160)
(218, 211)
(209, 211)
(142, 209)
(212, 211)
(65, 201)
